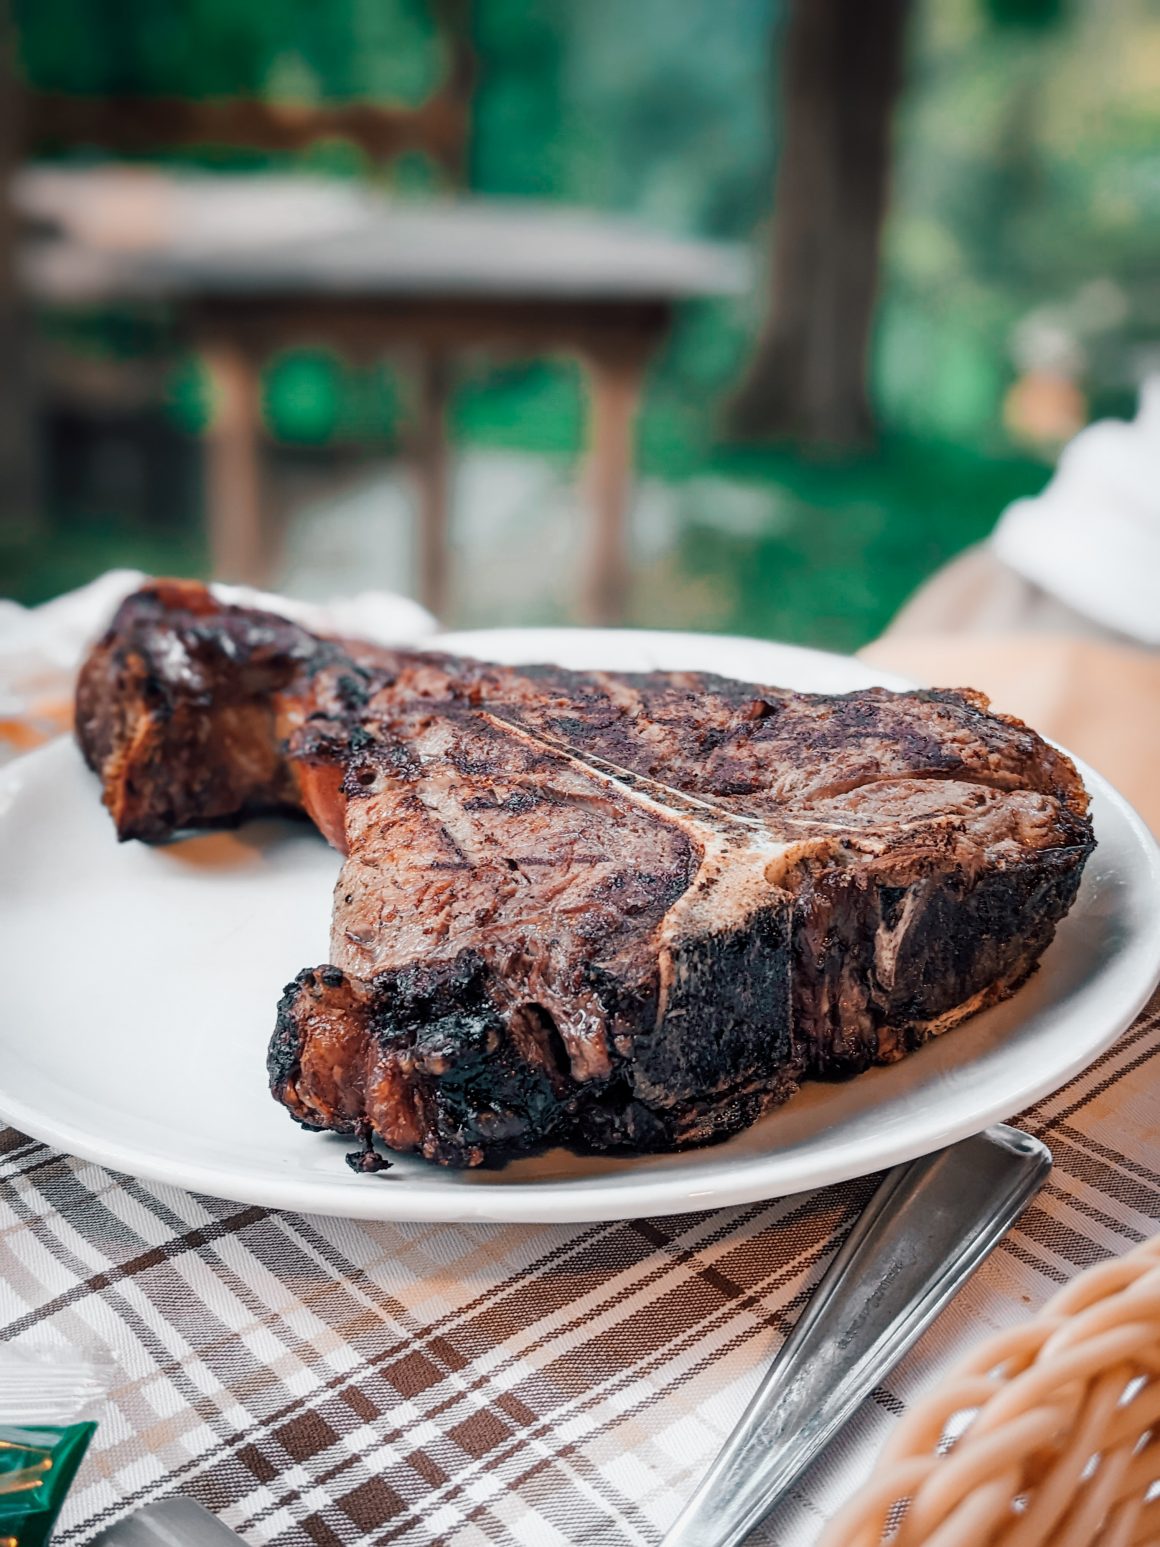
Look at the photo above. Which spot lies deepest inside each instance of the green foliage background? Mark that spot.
(1025, 216)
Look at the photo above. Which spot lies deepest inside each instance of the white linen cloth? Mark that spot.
(1092, 538)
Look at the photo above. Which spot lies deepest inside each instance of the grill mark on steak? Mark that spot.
(613, 911)
(995, 781)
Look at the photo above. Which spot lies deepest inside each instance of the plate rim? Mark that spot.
(737, 1181)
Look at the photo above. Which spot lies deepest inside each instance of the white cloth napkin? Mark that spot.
(1092, 538)
(42, 647)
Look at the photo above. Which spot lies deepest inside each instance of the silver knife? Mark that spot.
(175, 1522)
(925, 1231)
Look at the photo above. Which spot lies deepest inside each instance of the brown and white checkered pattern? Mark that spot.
(327, 1381)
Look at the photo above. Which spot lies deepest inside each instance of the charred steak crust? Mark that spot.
(613, 911)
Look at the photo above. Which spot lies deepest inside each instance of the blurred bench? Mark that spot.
(254, 264)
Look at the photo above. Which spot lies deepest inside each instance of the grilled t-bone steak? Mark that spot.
(612, 911)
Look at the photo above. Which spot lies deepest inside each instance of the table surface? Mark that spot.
(115, 231)
(342, 1383)
(328, 1381)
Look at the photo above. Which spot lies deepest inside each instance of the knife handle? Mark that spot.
(925, 1231)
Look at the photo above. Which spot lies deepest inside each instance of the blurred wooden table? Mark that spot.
(252, 264)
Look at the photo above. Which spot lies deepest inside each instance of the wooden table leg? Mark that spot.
(432, 467)
(237, 542)
(615, 387)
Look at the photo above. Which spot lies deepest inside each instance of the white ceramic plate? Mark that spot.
(140, 984)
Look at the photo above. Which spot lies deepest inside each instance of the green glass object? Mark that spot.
(37, 1465)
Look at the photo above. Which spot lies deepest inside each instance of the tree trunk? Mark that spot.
(17, 446)
(841, 73)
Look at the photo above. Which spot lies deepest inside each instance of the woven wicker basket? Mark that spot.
(1047, 1434)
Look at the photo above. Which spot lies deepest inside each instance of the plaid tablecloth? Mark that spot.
(325, 1381)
